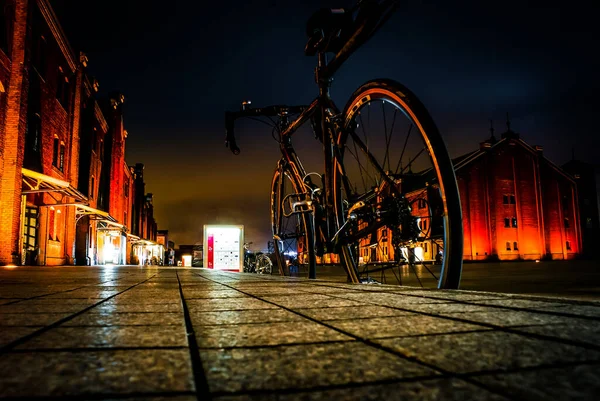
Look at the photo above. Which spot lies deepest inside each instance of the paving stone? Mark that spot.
(310, 301)
(488, 350)
(85, 373)
(424, 390)
(199, 305)
(581, 382)
(97, 337)
(439, 308)
(126, 319)
(10, 334)
(81, 303)
(49, 308)
(303, 366)
(392, 299)
(252, 335)
(581, 310)
(350, 312)
(570, 329)
(400, 326)
(85, 294)
(507, 318)
(112, 307)
(243, 317)
(522, 303)
(194, 294)
(31, 319)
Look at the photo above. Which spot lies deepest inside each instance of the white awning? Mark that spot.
(37, 182)
(97, 214)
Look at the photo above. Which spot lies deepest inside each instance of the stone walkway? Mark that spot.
(186, 334)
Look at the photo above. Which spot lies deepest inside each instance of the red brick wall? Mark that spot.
(13, 141)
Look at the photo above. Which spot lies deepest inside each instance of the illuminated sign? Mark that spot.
(223, 247)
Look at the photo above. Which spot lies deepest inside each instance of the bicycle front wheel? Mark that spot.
(396, 196)
(264, 264)
(291, 220)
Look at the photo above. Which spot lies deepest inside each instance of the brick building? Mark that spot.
(516, 205)
(66, 193)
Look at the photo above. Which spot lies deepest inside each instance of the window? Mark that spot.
(508, 199)
(514, 222)
(425, 247)
(6, 25)
(422, 203)
(508, 246)
(125, 222)
(55, 152)
(385, 250)
(39, 56)
(63, 93)
(506, 222)
(565, 203)
(61, 158)
(515, 247)
(567, 224)
(34, 131)
(568, 245)
(588, 222)
(126, 188)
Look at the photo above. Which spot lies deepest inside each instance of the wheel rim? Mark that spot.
(394, 164)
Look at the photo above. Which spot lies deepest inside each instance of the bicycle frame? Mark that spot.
(327, 115)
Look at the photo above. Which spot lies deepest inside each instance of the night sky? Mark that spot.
(181, 65)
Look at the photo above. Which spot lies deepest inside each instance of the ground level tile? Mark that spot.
(110, 336)
(251, 335)
(303, 366)
(108, 372)
(581, 382)
(487, 350)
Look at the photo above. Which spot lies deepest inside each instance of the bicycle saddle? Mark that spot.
(328, 30)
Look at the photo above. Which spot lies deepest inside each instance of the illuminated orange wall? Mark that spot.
(514, 168)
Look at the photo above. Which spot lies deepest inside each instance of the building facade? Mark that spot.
(66, 193)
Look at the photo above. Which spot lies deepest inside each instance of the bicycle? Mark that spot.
(384, 206)
(256, 262)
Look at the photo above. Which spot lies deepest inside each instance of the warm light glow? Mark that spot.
(10, 266)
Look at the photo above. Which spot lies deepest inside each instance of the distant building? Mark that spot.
(587, 177)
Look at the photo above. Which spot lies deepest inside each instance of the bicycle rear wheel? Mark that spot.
(292, 232)
(395, 190)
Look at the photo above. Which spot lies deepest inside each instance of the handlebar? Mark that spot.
(270, 111)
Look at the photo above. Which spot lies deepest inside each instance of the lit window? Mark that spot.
(514, 222)
(61, 158)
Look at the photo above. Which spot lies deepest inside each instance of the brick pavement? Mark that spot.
(134, 333)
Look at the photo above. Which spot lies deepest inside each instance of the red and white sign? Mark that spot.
(224, 247)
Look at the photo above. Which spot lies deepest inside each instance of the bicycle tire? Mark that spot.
(264, 265)
(287, 230)
(393, 95)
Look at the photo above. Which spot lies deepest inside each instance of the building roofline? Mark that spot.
(58, 33)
